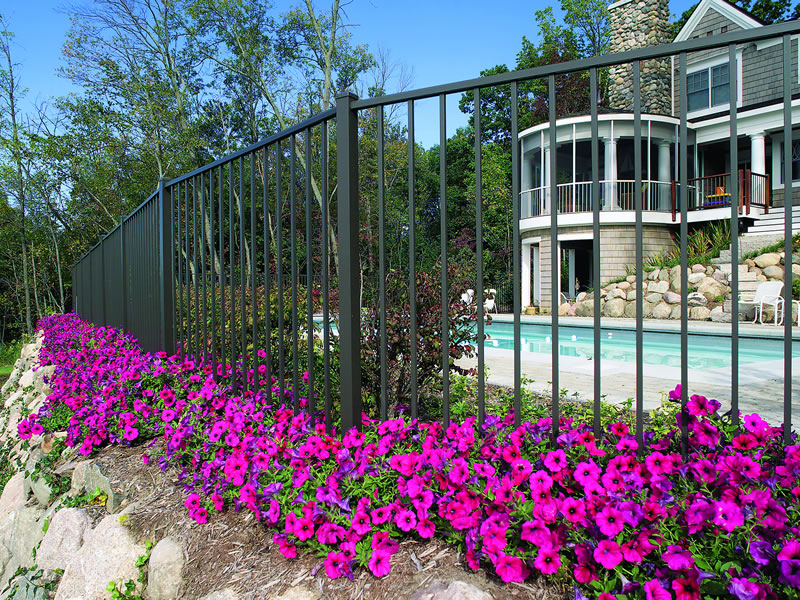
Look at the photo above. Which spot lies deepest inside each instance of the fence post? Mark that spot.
(349, 309)
(166, 280)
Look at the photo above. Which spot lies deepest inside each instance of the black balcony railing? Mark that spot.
(210, 264)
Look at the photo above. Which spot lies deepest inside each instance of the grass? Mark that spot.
(776, 247)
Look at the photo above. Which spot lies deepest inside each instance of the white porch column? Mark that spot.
(526, 275)
(610, 172)
(758, 155)
(546, 181)
(758, 164)
(664, 174)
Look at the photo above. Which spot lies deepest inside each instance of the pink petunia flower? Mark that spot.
(548, 560)
(653, 590)
(610, 520)
(608, 554)
(380, 563)
(511, 568)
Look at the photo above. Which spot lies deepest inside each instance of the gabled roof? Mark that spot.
(735, 14)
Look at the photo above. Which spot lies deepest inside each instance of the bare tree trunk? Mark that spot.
(35, 291)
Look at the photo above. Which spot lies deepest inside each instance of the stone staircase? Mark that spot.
(767, 230)
(748, 282)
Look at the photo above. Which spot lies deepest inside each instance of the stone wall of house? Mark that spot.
(617, 251)
(636, 24)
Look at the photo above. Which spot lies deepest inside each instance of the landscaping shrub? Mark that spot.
(462, 338)
(702, 245)
(619, 520)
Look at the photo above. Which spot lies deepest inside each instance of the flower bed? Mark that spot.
(722, 522)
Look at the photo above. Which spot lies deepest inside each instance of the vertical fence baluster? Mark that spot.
(196, 309)
(788, 142)
(212, 258)
(309, 284)
(203, 265)
(293, 262)
(253, 297)
(734, 191)
(234, 370)
(180, 270)
(684, 201)
(637, 206)
(555, 258)
(220, 213)
(478, 296)
(597, 332)
(412, 262)
(267, 283)
(326, 331)
(382, 265)
(242, 359)
(279, 265)
(443, 241)
(515, 175)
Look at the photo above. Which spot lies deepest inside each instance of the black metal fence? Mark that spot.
(212, 262)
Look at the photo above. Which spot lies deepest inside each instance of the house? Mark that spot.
(757, 174)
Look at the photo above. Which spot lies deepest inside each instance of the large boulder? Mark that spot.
(675, 313)
(767, 260)
(698, 269)
(696, 299)
(631, 295)
(616, 293)
(109, 553)
(773, 272)
(672, 298)
(63, 539)
(165, 570)
(657, 287)
(699, 313)
(711, 288)
(661, 310)
(563, 309)
(695, 278)
(721, 276)
(719, 316)
(653, 298)
(614, 307)
(663, 275)
(585, 308)
(624, 285)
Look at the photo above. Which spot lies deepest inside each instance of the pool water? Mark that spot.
(659, 348)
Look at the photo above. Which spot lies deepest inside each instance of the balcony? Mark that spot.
(657, 196)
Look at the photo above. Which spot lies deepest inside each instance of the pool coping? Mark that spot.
(747, 330)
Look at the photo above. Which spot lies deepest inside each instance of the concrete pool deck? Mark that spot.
(761, 384)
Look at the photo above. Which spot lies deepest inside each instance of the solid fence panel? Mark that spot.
(113, 281)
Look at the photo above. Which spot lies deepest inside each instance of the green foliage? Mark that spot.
(128, 591)
(9, 352)
(96, 498)
(703, 244)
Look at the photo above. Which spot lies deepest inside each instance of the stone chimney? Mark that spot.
(636, 24)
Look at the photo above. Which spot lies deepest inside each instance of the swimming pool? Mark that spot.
(706, 351)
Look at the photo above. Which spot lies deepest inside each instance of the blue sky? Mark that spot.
(438, 41)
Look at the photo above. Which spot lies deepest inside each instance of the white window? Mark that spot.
(708, 87)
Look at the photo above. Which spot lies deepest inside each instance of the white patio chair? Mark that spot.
(768, 293)
(468, 296)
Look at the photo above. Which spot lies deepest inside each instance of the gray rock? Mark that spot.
(41, 491)
(63, 539)
(109, 553)
(675, 313)
(630, 310)
(698, 269)
(454, 590)
(15, 493)
(699, 313)
(563, 309)
(718, 316)
(675, 285)
(661, 310)
(795, 270)
(672, 298)
(709, 271)
(796, 259)
(624, 285)
(696, 299)
(165, 570)
(88, 477)
(711, 288)
(581, 297)
(652, 275)
(614, 307)
(20, 533)
(773, 272)
(653, 298)
(631, 296)
(585, 308)
(631, 278)
(663, 275)
(616, 293)
(721, 276)
(657, 287)
(695, 278)
(767, 260)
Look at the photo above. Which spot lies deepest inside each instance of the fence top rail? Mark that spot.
(608, 60)
(277, 137)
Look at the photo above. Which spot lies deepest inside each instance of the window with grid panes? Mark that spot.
(708, 87)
